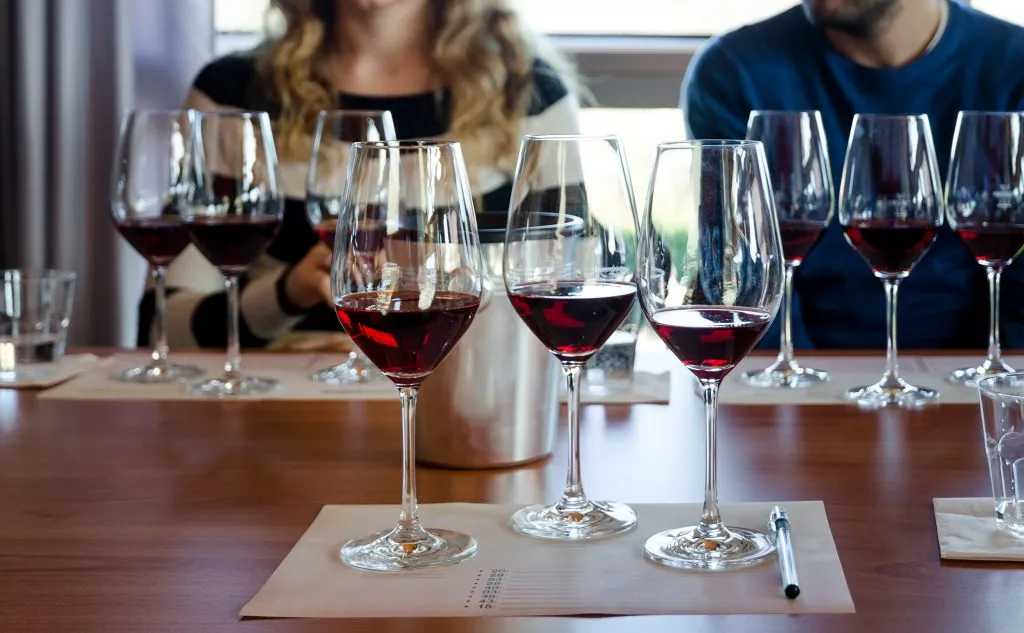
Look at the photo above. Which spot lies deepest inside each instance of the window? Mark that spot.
(1010, 10)
(579, 17)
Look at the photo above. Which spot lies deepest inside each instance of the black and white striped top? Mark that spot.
(197, 303)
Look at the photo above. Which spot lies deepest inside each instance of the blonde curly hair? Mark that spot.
(482, 53)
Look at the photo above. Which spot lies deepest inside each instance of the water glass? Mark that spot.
(1002, 419)
(35, 310)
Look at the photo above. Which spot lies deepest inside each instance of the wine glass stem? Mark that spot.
(892, 364)
(995, 352)
(233, 364)
(409, 528)
(573, 497)
(711, 519)
(160, 347)
(786, 347)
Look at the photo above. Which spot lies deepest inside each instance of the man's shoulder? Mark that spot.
(779, 33)
(988, 25)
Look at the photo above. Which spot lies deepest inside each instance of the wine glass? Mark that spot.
(710, 279)
(985, 205)
(890, 207)
(569, 261)
(335, 131)
(146, 194)
(406, 291)
(794, 143)
(233, 210)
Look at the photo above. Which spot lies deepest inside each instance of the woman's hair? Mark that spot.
(482, 53)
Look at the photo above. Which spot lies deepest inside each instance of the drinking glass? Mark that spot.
(710, 279)
(985, 205)
(406, 291)
(794, 143)
(233, 210)
(335, 131)
(890, 207)
(147, 194)
(569, 262)
(1002, 419)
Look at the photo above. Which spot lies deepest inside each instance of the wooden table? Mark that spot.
(170, 516)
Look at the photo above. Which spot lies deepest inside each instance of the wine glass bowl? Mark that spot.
(335, 131)
(406, 291)
(146, 199)
(232, 213)
(797, 156)
(985, 206)
(569, 262)
(710, 281)
(891, 210)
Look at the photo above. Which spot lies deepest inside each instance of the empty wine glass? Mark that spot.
(233, 211)
(985, 205)
(335, 131)
(569, 262)
(710, 281)
(406, 290)
(146, 195)
(890, 206)
(794, 143)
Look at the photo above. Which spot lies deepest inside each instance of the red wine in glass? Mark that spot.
(993, 244)
(158, 239)
(232, 242)
(710, 341)
(891, 247)
(573, 319)
(798, 238)
(325, 230)
(405, 341)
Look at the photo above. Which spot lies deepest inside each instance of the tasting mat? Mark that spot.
(848, 372)
(512, 575)
(967, 531)
(43, 375)
(294, 371)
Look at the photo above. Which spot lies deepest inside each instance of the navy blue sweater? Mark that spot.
(786, 63)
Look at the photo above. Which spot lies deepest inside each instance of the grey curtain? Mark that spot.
(68, 70)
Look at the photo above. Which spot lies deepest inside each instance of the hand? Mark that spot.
(309, 281)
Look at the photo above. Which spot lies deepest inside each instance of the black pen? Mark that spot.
(779, 523)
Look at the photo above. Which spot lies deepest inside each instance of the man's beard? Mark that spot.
(859, 18)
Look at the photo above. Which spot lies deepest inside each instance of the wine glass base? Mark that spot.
(892, 391)
(385, 552)
(347, 373)
(689, 548)
(158, 374)
(594, 520)
(785, 375)
(971, 375)
(229, 387)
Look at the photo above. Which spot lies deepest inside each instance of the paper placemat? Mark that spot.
(48, 374)
(513, 575)
(294, 372)
(644, 388)
(967, 531)
(847, 372)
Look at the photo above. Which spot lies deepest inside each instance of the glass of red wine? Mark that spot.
(335, 131)
(406, 294)
(710, 278)
(569, 262)
(794, 143)
(985, 206)
(147, 191)
(891, 208)
(232, 212)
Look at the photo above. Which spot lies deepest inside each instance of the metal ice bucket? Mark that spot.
(495, 400)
